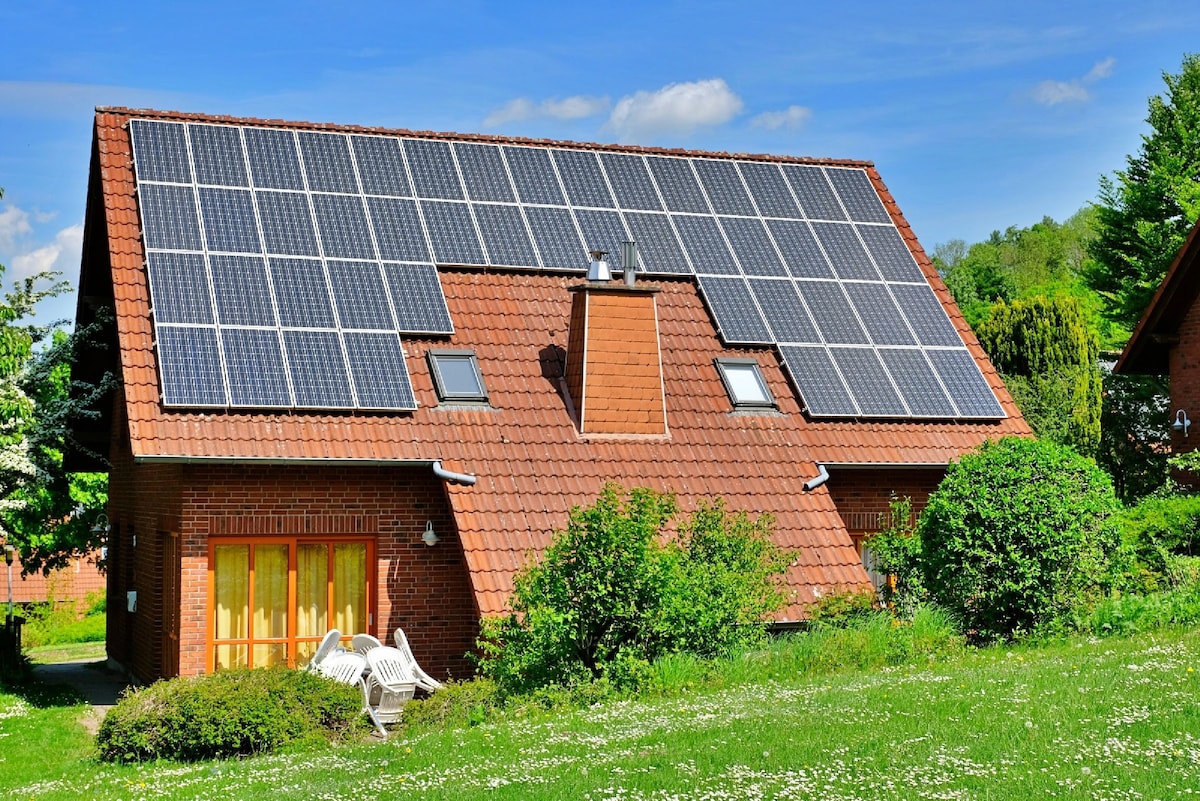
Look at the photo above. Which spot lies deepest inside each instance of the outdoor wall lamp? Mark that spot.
(101, 526)
(1182, 423)
(429, 537)
(10, 553)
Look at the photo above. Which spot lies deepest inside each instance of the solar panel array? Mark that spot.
(286, 264)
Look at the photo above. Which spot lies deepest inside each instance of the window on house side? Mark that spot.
(744, 383)
(456, 376)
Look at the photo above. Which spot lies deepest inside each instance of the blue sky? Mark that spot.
(978, 116)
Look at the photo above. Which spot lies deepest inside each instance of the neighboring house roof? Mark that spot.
(532, 464)
(1148, 349)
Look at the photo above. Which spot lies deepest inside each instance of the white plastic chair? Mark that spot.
(329, 645)
(424, 680)
(389, 685)
(347, 667)
(361, 643)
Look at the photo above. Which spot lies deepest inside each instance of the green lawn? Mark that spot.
(1116, 719)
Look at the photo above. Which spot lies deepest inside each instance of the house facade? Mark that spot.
(365, 374)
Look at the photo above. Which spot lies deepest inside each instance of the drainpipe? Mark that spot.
(451, 476)
(819, 479)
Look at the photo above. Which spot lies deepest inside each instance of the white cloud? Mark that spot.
(677, 108)
(570, 108)
(14, 225)
(792, 118)
(1052, 93)
(63, 255)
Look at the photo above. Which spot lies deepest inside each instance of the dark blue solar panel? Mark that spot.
(581, 176)
(926, 315)
(832, 313)
(557, 240)
(160, 150)
(179, 288)
(287, 224)
(397, 229)
(359, 296)
(868, 382)
(769, 189)
(327, 162)
(229, 223)
(845, 252)
(379, 372)
(190, 363)
(274, 163)
(318, 369)
(916, 382)
(241, 290)
(301, 293)
(817, 200)
(217, 154)
(961, 377)
(724, 187)
(169, 219)
(801, 254)
(891, 255)
(879, 314)
(452, 233)
(381, 166)
(483, 172)
(433, 171)
(704, 244)
(254, 364)
(603, 230)
(678, 185)
(858, 195)
(733, 308)
(785, 314)
(534, 176)
(752, 246)
(817, 378)
(504, 235)
(418, 299)
(342, 224)
(658, 246)
(630, 182)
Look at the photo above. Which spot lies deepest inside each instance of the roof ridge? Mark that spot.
(184, 116)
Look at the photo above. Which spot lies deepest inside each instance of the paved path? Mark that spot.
(94, 681)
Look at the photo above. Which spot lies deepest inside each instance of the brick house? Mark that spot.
(283, 462)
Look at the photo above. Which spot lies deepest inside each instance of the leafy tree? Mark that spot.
(1018, 534)
(896, 548)
(1134, 433)
(1146, 210)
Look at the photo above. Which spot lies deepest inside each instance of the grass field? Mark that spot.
(1111, 719)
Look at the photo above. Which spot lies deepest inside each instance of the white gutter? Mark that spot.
(451, 476)
(821, 477)
(436, 464)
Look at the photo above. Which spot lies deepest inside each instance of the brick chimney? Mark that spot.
(614, 368)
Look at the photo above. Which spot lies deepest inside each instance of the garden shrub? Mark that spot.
(1020, 532)
(1156, 529)
(896, 549)
(230, 713)
(841, 610)
(611, 594)
(458, 703)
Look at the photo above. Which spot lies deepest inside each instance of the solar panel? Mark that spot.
(504, 234)
(483, 172)
(769, 189)
(879, 314)
(381, 166)
(926, 315)
(217, 155)
(557, 240)
(433, 172)
(417, 297)
(318, 369)
(241, 290)
(832, 312)
(724, 187)
(960, 375)
(229, 220)
(378, 371)
(801, 253)
(161, 151)
(784, 313)
(891, 255)
(534, 176)
(452, 233)
(869, 383)
(631, 183)
(818, 380)
(917, 383)
(301, 293)
(678, 185)
(359, 296)
(603, 230)
(858, 195)
(816, 196)
(254, 364)
(287, 224)
(397, 228)
(189, 361)
(327, 162)
(705, 246)
(179, 286)
(169, 219)
(274, 163)
(658, 246)
(582, 178)
(846, 254)
(733, 307)
(752, 246)
(342, 224)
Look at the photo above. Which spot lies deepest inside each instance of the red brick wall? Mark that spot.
(1185, 386)
(75, 582)
(862, 495)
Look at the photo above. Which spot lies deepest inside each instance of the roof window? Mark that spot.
(456, 376)
(744, 383)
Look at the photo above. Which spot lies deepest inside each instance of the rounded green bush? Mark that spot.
(1018, 533)
(229, 713)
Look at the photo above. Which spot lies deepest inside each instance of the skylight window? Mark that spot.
(456, 376)
(744, 383)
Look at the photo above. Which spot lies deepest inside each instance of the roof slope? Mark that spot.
(532, 464)
(1147, 351)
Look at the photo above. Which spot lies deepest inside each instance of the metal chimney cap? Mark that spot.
(598, 271)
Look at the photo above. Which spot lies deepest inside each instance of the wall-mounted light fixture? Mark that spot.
(1182, 423)
(429, 537)
(101, 527)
